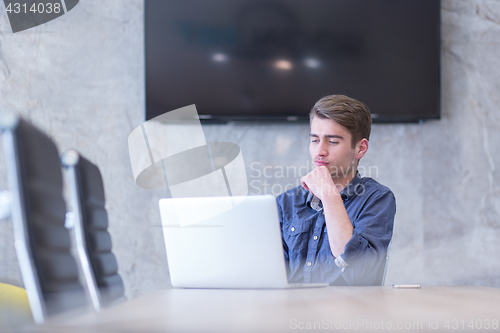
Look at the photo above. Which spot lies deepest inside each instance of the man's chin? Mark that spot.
(336, 173)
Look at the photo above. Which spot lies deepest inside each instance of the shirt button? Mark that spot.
(293, 229)
(309, 264)
(315, 237)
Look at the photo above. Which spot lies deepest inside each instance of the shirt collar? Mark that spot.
(347, 193)
(352, 188)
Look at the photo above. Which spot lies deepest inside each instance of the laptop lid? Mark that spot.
(223, 242)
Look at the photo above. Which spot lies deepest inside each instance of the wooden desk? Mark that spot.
(339, 309)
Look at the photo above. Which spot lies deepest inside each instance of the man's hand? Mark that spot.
(319, 182)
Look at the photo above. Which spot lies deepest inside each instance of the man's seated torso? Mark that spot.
(371, 208)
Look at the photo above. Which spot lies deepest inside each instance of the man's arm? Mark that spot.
(338, 224)
(366, 250)
(361, 249)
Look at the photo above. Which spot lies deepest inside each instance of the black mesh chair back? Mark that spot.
(91, 230)
(49, 271)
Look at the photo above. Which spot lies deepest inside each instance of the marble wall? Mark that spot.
(81, 79)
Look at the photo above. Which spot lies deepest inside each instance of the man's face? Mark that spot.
(330, 145)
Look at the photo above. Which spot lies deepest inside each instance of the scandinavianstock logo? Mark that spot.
(170, 152)
(31, 13)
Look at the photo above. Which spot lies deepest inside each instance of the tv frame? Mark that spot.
(274, 119)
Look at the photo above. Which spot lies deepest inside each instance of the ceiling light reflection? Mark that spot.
(283, 64)
(312, 63)
(219, 57)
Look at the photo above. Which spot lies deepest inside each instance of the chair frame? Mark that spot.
(386, 263)
(9, 123)
(69, 160)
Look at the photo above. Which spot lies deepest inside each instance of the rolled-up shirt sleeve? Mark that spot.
(367, 248)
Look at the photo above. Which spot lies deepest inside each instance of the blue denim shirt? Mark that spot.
(371, 208)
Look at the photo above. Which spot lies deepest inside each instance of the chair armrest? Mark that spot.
(69, 222)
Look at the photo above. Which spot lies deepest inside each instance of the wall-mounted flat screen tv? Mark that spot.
(271, 60)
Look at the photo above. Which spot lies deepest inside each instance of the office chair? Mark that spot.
(38, 210)
(90, 223)
(382, 270)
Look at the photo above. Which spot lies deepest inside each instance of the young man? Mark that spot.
(337, 226)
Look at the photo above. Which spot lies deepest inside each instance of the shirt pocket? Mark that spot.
(295, 228)
(296, 236)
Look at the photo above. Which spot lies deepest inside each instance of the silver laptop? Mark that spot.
(224, 242)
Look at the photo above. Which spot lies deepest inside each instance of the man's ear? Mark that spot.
(361, 148)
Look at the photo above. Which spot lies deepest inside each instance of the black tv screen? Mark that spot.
(252, 60)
